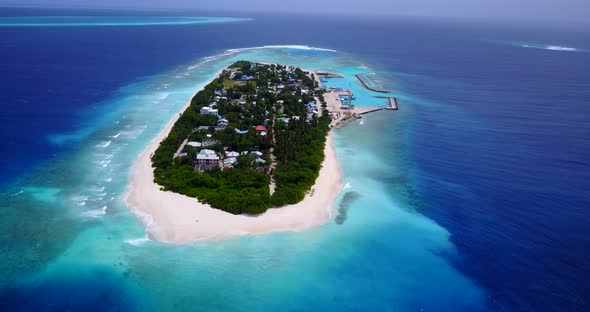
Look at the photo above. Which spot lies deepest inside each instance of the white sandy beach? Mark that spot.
(175, 218)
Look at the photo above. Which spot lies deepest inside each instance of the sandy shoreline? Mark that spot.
(175, 218)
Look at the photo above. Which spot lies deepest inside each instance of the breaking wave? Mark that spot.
(294, 47)
(549, 47)
(80, 21)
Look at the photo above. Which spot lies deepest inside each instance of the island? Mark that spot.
(251, 152)
(252, 139)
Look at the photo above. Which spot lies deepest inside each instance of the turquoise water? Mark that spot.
(77, 21)
(82, 235)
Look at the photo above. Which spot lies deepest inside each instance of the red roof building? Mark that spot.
(261, 128)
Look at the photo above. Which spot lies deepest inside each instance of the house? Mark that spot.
(206, 160)
(194, 144)
(256, 154)
(284, 119)
(230, 162)
(238, 131)
(205, 110)
(209, 111)
(232, 154)
(261, 128)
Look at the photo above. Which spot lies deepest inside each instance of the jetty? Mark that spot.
(360, 79)
(329, 75)
(392, 105)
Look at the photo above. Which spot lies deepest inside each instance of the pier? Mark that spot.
(329, 75)
(392, 105)
(369, 87)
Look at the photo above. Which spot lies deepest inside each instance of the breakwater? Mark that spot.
(360, 79)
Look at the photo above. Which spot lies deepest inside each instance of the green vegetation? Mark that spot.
(247, 95)
(300, 153)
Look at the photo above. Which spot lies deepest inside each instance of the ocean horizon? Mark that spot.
(470, 197)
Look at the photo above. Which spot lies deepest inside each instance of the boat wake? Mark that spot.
(16, 194)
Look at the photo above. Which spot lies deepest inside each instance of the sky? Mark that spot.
(512, 9)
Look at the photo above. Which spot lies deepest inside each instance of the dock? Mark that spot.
(392, 105)
(360, 79)
(329, 75)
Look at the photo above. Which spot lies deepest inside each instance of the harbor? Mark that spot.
(341, 102)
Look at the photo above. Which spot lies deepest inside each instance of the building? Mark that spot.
(194, 144)
(205, 110)
(209, 111)
(230, 162)
(256, 154)
(206, 160)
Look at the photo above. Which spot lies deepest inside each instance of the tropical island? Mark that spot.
(256, 137)
(252, 139)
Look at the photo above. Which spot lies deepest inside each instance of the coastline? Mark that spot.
(174, 218)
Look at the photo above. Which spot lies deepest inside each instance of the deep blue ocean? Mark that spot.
(491, 143)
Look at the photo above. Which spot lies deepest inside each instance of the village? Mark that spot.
(235, 137)
(240, 97)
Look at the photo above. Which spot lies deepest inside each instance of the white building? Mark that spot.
(194, 144)
(209, 111)
(230, 162)
(206, 160)
(205, 110)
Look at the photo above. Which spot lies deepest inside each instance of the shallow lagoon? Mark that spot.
(381, 250)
